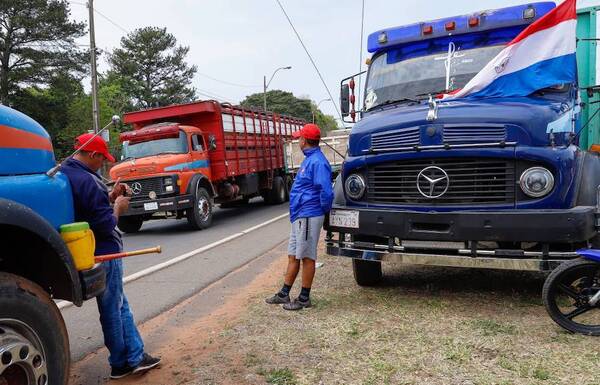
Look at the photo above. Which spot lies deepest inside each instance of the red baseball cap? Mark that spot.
(95, 145)
(309, 131)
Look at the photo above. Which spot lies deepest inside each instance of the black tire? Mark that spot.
(130, 225)
(367, 273)
(200, 215)
(277, 192)
(32, 326)
(576, 280)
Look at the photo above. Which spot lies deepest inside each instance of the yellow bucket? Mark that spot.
(81, 243)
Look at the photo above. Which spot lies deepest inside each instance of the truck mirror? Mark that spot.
(345, 99)
(212, 142)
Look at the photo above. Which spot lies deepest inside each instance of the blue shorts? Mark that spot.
(304, 237)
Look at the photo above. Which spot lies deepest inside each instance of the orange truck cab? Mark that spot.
(180, 160)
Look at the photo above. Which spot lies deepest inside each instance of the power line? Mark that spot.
(101, 15)
(229, 83)
(110, 21)
(312, 61)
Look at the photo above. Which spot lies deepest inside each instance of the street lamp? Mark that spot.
(266, 85)
(318, 104)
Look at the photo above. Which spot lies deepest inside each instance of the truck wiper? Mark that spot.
(395, 101)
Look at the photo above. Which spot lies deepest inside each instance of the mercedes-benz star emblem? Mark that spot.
(136, 188)
(433, 182)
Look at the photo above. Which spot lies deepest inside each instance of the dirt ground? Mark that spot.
(421, 326)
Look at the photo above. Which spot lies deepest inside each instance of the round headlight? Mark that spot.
(536, 182)
(355, 186)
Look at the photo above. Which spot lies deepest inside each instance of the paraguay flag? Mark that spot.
(541, 56)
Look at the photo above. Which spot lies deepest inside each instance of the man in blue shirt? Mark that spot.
(93, 205)
(310, 199)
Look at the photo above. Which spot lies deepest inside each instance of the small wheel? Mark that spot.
(566, 295)
(200, 215)
(34, 346)
(277, 192)
(367, 273)
(130, 224)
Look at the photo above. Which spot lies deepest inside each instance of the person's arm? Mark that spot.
(96, 204)
(322, 178)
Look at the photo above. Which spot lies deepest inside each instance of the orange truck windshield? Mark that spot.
(156, 147)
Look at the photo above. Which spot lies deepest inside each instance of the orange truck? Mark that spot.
(180, 160)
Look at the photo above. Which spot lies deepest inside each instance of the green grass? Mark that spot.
(280, 377)
(489, 327)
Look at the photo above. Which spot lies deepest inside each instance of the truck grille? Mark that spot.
(462, 134)
(147, 185)
(406, 137)
(469, 181)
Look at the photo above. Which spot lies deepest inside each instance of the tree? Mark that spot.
(283, 102)
(151, 68)
(37, 40)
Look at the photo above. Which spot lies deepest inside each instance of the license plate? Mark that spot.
(151, 206)
(344, 218)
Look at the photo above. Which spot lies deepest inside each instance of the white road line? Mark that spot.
(163, 265)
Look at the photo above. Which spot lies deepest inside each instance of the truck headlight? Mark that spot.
(355, 186)
(536, 182)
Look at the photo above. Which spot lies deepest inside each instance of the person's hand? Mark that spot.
(119, 189)
(121, 205)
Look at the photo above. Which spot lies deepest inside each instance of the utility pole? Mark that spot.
(95, 106)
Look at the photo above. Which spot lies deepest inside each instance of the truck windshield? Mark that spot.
(391, 79)
(154, 147)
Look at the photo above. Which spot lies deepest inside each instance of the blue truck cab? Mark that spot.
(36, 266)
(482, 183)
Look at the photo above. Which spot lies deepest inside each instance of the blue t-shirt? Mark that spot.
(312, 192)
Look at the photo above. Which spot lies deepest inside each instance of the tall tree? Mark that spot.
(37, 40)
(283, 102)
(152, 68)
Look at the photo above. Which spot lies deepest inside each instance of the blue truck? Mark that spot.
(504, 183)
(36, 267)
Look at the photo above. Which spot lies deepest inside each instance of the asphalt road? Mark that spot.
(161, 290)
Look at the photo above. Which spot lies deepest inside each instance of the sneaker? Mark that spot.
(297, 304)
(278, 300)
(116, 373)
(148, 362)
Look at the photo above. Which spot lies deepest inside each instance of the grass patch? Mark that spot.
(280, 377)
(489, 327)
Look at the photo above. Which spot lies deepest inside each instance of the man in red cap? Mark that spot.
(92, 203)
(310, 199)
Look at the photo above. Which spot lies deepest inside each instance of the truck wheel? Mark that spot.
(277, 192)
(34, 346)
(200, 215)
(366, 273)
(130, 224)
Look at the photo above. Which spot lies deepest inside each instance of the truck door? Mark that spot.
(200, 155)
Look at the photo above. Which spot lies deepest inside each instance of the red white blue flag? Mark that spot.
(541, 56)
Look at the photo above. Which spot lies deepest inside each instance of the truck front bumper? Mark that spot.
(151, 206)
(455, 238)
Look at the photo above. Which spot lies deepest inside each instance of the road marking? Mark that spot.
(163, 265)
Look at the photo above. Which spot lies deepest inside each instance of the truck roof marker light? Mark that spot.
(473, 21)
(529, 13)
(450, 26)
(382, 38)
(368, 61)
(427, 30)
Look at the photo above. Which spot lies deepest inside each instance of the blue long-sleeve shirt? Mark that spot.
(92, 205)
(312, 192)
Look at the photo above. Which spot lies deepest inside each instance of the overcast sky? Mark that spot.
(239, 41)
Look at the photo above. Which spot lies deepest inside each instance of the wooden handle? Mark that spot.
(108, 257)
